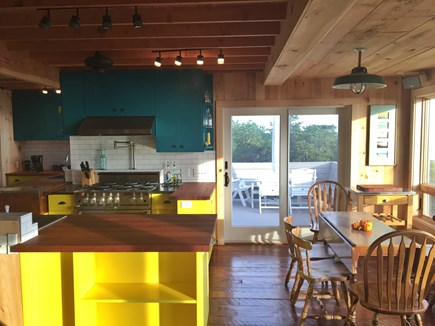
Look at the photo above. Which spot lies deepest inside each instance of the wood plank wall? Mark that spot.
(9, 149)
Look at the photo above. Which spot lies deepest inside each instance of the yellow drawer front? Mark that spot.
(163, 204)
(60, 204)
(14, 179)
(385, 200)
(195, 207)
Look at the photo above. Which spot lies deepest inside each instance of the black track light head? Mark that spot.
(45, 22)
(74, 23)
(107, 20)
(137, 19)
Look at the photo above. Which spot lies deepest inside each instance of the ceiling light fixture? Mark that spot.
(137, 19)
(45, 22)
(58, 91)
(107, 20)
(158, 61)
(220, 58)
(74, 23)
(178, 59)
(200, 58)
(98, 62)
(45, 91)
(359, 80)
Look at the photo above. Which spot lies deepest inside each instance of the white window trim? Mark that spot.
(418, 162)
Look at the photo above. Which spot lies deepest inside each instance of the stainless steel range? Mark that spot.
(118, 193)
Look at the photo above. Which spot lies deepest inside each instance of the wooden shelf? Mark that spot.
(142, 292)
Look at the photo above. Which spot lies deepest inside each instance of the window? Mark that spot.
(424, 153)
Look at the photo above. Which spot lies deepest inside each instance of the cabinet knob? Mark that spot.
(181, 146)
(385, 200)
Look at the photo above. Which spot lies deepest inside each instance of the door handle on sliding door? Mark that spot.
(227, 179)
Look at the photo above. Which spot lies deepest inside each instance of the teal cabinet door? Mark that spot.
(166, 83)
(178, 111)
(72, 101)
(37, 116)
(119, 93)
(190, 113)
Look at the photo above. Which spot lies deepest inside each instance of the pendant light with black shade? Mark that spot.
(359, 80)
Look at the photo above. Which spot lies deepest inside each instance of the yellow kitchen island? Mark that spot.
(134, 269)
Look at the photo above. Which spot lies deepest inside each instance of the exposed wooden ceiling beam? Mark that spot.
(15, 66)
(122, 16)
(147, 31)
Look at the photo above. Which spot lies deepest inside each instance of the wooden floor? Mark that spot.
(247, 288)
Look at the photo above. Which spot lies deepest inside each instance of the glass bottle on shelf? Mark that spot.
(103, 160)
(208, 119)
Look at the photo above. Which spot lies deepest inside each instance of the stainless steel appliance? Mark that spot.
(37, 163)
(118, 193)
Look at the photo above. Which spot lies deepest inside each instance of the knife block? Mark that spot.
(88, 181)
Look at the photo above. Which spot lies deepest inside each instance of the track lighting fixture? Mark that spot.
(107, 20)
(45, 22)
(220, 58)
(359, 80)
(74, 23)
(200, 58)
(137, 19)
(178, 59)
(45, 91)
(158, 61)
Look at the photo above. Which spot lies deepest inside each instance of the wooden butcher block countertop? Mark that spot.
(124, 233)
(33, 173)
(194, 191)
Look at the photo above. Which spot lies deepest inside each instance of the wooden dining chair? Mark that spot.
(396, 284)
(317, 273)
(318, 251)
(323, 196)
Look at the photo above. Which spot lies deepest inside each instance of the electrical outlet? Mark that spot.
(166, 165)
(173, 164)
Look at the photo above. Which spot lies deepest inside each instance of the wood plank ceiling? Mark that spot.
(283, 39)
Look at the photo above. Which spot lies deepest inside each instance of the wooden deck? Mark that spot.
(247, 288)
(248, 216)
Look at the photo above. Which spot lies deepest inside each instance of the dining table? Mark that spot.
(350, 245)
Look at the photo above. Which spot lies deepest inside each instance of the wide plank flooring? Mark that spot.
(247, 288)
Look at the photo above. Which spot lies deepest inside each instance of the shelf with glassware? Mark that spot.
(208, 130)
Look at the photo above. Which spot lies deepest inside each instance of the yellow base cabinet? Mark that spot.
(162, 203)
(59, 204)
(125, 288)
(47, 288)
(203, 206)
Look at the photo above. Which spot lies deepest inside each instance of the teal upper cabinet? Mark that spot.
(179, 118)
(119, 93)
(37, 116)
(73, 100)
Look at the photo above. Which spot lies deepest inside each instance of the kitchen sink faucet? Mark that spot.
(127, 144)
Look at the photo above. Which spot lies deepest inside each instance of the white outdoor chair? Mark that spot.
(268, 194)
(241, 190)
(299, 182)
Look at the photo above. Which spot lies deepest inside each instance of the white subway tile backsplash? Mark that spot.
(87, 148)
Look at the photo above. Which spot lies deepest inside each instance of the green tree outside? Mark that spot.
(313, 143)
